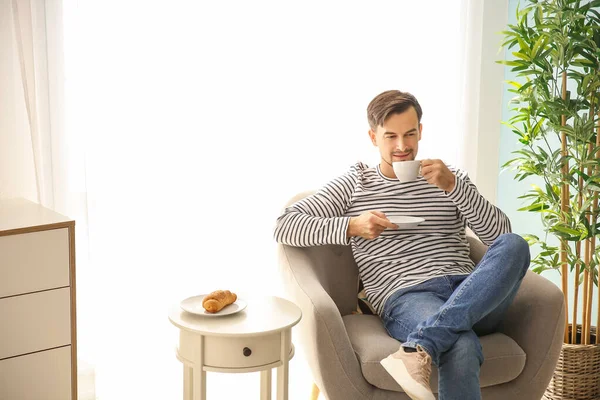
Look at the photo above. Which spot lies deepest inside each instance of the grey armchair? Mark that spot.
(343, 349)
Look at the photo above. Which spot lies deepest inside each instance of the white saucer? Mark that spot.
(404, 221)
(194, 305)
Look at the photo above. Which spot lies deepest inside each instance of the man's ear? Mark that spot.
(420, 130)
(373, 137)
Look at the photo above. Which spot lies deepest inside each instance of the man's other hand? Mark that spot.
(436, 173)
(369, 225)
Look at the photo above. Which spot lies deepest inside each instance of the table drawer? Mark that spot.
(40, 376)
(34, 261)
(228, 352)
(35, 322)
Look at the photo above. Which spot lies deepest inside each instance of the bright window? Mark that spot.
(199, 119)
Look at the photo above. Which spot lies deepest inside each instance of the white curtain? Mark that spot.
(481, 90)
(21, 122)
(187, 126)
(40, 159)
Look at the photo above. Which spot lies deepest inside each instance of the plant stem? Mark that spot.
(594, 230)
(590, 297)
(594, 170)
(577, 274)
(590, 245)
(586, 278)
(563, 208)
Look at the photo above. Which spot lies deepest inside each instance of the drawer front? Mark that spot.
(228, 352)
(35, 322)
(34, 261)
(39, 376)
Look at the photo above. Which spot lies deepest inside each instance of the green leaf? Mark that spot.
(536, 48)
(536, 207)
(509, 162)
(528, 72)
(540, 268)
(591, 58)
(510, 63)
(525, 86)
(538, 16)
(513, 128)
(531, 237)
(538, 189)
(580, 62)
(566, 229)
(515, 84)
(518, 118)
(508, 33)
(522, 56)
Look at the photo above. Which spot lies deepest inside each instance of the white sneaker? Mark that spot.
(411, 371)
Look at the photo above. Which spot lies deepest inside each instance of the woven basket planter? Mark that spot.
(577, 373)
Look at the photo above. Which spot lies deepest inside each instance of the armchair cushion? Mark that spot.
(504, 359)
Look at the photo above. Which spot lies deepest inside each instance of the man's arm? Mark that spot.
(487, 221)
(318, 219)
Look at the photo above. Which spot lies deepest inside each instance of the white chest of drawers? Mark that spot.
(38, 337)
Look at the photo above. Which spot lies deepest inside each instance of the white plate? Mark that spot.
(404, 221)
(194, 305)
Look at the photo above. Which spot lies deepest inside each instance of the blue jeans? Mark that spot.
(445, 315)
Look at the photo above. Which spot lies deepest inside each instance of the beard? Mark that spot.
(387, 162)
(410, 156)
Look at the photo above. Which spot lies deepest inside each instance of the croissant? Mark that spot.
(215, 301)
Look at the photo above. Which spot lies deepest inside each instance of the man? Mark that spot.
(421, 281)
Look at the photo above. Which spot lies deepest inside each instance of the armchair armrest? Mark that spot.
(322, 333)
(536, 321)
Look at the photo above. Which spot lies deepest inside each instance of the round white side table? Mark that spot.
(258, 338)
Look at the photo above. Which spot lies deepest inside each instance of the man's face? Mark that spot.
(398, 138)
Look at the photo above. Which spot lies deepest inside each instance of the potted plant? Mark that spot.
(556, 49)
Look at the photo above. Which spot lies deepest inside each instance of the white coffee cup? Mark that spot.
(407, 171)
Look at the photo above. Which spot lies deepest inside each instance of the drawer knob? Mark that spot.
(247, 351)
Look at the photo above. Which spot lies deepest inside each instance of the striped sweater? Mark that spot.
(398, 258)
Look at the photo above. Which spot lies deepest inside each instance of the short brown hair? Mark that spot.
(388, 103)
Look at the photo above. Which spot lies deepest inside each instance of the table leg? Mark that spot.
(283, 369)
(314, 394)
(199, 384)
(265, 384)
(199, 374)
(188, 382)
(282, 381)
